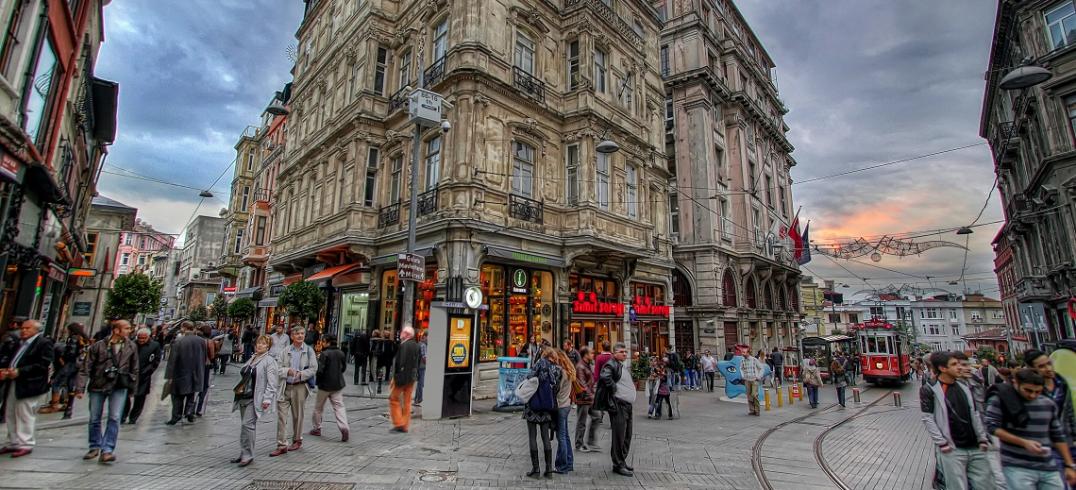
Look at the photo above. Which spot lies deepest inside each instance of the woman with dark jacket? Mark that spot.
(66, 366)
(541, 422)
(584, 403)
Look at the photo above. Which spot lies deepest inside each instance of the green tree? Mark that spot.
(303, 299)
(242, 309)
(132, 294)
(219, 308)
(198, 314)
(987, 352)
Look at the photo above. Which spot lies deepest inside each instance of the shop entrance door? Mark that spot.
(685, 336)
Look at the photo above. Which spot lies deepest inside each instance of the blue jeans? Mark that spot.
(812, 395)
(421, 381)
(565, 459)
(692, 378)
(115, 400)
(1017, 477)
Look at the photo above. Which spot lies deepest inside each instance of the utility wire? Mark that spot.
(886, 164)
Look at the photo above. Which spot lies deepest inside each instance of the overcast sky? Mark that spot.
(866, 82)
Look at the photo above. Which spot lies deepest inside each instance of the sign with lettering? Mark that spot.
(411, 267)
(9, 167)
(587, 303)
(81, 308)
(459, 342)
(424, 107)
(643, 306)
(519, 281)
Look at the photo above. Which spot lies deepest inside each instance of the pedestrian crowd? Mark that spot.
(114, 370)
(998, 428)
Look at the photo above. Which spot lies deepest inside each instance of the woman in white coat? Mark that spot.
(255, 395)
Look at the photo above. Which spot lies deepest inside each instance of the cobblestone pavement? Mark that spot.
(710, 447)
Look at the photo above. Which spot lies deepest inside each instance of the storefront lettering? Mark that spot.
(524, 257)
(587, 303)
(644, 306)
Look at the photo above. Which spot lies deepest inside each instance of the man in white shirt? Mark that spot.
(280, 341)
(751, 371)
(709, 367)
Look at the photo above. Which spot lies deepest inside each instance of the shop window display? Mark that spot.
(519, 303)
(353, 312)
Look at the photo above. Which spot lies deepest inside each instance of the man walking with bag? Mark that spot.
(109, 370)
(617, 393)
(330, 379)
(26, 377)
(298, 363)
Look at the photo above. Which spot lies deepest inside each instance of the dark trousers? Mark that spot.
(205, 392)
(620, 423)
(710, 381)
(222, 360)
(657, 405)
(534, 430)
(840, 395)
(360, 369)
(248, 350)
(182, 405)
(133, 408)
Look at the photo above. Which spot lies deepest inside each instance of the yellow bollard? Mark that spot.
(779, 400)
(766, 398)
(799, 392)
(790, 397)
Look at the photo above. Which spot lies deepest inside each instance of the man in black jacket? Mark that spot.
(186, 369)
(331, 366)
(360, 350)
(26, 375)
(149, 358)
(404, 375)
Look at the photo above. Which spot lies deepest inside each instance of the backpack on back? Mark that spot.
(544, 399)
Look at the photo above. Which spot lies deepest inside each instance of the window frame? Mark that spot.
(403, 69)
(373, 156)
(631, 185)
(381, 63)
(396, 179)
(1052, 43)
(574, 64)
(522, 185)
(571, 169)
(432, 162)
(439, 40)
(603, 179)
(520, 49)
(600, 70)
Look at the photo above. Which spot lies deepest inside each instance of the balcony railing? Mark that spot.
(399, 98)
(388, 215)
(427, 202)
(520, 207)
(434, 74)
(528, 84)
(262, 195)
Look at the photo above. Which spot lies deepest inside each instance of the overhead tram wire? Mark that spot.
(202, 199)
(886, 164)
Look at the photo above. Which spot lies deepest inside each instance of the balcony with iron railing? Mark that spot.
(528, 84)
(427, 202)
(603, 11)
(526, 209)
(434, 73)
(399, 98)
(388, 215)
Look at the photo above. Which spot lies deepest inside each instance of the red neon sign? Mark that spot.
(644, 306)
(588, 303)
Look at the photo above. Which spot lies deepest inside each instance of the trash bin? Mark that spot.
(510, 374)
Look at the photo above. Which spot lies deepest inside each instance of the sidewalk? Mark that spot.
(708, 448)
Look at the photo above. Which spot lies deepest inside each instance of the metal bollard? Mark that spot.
(855, 395)
(799, 391)
(766, 398)
(896, 399)
(790, 397)
(780, 402)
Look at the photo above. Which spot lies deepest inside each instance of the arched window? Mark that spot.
(728, 290)
(749, 292)
(681, 289)
(767, 297)
(779, 298)
(793, 299)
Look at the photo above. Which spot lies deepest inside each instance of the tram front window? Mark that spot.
(879, 345)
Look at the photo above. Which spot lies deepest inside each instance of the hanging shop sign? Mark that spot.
(644, 306)
(587, 303)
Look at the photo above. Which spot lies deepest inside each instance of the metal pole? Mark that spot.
(412, 215)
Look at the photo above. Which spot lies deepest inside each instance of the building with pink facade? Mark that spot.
(139, 247)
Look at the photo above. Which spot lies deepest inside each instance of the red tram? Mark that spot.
(884, 352)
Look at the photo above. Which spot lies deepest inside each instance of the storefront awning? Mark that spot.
(330, 272)
(292, 279)
(247, 293)
(391, 258)
(267, 303)
(526, 257)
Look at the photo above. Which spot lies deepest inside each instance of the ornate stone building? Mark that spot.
(1032, 134)
(731, 201)
(237, 216)
(565, 242)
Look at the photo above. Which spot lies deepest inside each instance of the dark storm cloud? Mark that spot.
(871, 81)
(192, 75)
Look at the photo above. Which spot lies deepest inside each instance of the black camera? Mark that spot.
(112, 372)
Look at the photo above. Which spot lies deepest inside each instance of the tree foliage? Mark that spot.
(303, 299)
(198, 314)
(132, 294)
(242, 309)
(219, 308)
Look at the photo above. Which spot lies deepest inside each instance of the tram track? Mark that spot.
(756, 452)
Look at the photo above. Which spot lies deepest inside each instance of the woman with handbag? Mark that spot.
(584, 404)
(812, 379)
(540, 411)
(255, 395)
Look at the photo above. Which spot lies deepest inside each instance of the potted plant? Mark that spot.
(640, 370)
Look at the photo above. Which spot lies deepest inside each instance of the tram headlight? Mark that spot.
(877, 365)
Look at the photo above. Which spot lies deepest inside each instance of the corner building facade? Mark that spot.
(731, 199)
(564, 241)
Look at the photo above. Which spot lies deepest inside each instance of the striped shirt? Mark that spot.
(1043, 427)
(751, 369)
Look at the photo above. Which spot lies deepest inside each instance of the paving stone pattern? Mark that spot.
(708, 448)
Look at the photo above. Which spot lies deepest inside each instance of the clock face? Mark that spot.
(473, 297)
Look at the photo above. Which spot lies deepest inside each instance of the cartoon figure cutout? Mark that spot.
(734, 384)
